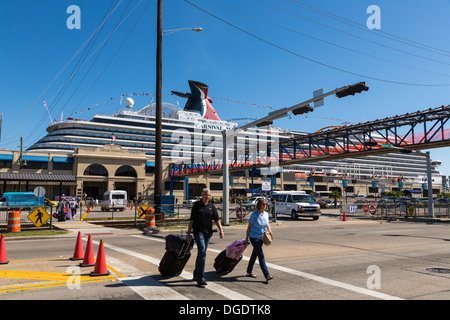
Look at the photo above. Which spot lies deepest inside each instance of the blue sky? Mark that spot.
(261, 64)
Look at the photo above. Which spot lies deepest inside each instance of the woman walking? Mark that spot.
(257, 225)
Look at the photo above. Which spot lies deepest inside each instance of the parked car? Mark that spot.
(252, 201)
(189, 203)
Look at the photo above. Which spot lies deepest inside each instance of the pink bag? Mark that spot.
(236, 249)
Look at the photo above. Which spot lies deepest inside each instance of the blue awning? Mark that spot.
(413, 191)
(150, 164)
(35, 158)
(63, 159)
(6, 156)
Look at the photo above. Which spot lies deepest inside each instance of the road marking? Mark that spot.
(302, 274)
(227, 293)
(54, 279)
(144, 285)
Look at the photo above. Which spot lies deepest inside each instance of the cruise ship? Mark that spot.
(192, 133)
(195, 133)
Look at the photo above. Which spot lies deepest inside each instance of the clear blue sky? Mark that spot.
(257, 75)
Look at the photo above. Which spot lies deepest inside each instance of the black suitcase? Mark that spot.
(176, 242)
(172, 263)
(223, 264)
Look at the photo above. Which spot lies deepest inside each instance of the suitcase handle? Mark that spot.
(184, 247)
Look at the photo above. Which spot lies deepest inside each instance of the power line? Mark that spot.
(364, 28)
(87, 45)
(327, 42)
(312, 60)
(356, 36)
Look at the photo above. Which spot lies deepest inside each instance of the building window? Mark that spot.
(62, 166)
(216, 186)
(36, 165)
(96, 170)
(126, 171)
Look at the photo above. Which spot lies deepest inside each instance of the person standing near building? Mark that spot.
(73, 208)
(200, 223)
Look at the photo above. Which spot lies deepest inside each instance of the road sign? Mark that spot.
(265, 186)
(366, 208)
(372, 210)
(240, 213)
(141, 211)
(411, 210)
(39, 216)
(386, 145)
(39, 192)
(353, 209)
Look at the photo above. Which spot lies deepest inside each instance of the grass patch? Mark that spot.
(35, 232)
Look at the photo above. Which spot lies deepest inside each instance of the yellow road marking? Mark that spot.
(49, 285)
(51, 279)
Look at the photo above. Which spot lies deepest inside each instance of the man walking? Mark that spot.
(200, 223)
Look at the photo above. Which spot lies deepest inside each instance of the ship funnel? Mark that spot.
(198, 100)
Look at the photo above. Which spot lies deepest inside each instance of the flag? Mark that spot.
(113, 137)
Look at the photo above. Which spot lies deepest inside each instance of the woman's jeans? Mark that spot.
(202, 242)
(257, 252)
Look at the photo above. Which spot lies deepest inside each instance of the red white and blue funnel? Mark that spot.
(198, 100)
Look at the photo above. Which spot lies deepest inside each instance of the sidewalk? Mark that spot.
(75, 226)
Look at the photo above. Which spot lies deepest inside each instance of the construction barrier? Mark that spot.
(150, 220)
(14, 221)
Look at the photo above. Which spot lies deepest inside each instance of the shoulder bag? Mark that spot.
(267, 237)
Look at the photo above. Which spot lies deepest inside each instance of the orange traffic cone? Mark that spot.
(3, 259)
(343, 217)
(78, 252)
(88, 260)
(100, 264)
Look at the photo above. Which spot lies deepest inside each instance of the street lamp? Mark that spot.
(158, 108)
(167, 32)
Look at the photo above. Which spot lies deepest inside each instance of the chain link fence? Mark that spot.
(387, 210)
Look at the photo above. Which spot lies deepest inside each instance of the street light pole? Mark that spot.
(158, 111)
(430, 186)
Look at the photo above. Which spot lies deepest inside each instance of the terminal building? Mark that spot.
(116, 152)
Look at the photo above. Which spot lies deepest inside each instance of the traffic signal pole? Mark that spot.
(303, 107)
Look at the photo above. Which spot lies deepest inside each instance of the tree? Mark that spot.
(394, 194)
(335, 194)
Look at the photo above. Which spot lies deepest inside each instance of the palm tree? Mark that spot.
(335, 194)
(394, 194)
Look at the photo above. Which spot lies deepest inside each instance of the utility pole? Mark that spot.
(430, 186)
(158, 111)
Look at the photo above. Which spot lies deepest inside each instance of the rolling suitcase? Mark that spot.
(173, 262)
(235, 249)
(225, 265)
(176, 242)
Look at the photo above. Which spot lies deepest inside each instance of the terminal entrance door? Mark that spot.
(129, 187)
(95, 189)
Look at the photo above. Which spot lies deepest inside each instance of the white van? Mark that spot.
(296, 204)
(114, 200)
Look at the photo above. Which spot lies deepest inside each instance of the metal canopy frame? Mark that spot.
(412, 131)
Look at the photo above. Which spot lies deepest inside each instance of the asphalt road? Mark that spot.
(309, 260)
